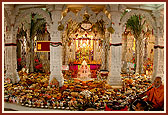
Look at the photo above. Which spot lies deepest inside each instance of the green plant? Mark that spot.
(37, 26)
(135, 24)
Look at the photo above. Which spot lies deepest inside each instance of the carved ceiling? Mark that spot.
(95, 7)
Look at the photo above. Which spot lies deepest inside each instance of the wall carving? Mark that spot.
(70, 15)
(84, 10)
(102, 16)
(79, 17)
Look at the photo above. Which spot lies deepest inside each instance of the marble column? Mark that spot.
(11, 57)
(56, 52)
(114, 78)
(124, 52)
(107, 48)
(103, 55)
(158, 64)
(95, 50)
(66, 55)
(28, 52)
(73, 50)
(64, 49)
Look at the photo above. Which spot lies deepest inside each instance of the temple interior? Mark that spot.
(72, 57)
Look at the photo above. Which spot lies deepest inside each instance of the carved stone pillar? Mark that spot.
(107, 48)
(114, 77)
(103, 55)
(11, 57)
(56, 52)
(66, 55)
(64, 49)
(28, 53)
(158, 65)
(73, 50)
(95, 50)
(124, 51)
(10, 46)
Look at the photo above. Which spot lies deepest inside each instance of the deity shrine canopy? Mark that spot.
(84, 49)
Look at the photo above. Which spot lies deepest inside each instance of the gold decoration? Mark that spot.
(60, 27)
(111, 30)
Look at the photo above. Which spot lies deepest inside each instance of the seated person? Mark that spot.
(155, 94)
(140, 105)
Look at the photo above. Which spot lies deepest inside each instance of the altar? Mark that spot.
(93, 69)
(85, 47)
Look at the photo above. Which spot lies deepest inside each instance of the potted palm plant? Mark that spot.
(135, 24)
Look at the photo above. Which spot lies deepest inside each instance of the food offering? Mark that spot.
(33, 90)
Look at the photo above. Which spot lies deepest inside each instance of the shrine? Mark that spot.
(84, 72)
(83, 57)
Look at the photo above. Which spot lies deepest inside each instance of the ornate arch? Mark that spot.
(70, 15)
(81, 13)
(147, 16)
(24, 17)
(107, 21)
(93, 18)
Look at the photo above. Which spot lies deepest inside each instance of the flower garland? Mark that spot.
(55, 44)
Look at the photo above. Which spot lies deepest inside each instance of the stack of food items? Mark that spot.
(135, 85)
(33, 90)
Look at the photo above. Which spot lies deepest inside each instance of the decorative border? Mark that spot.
(55, 44)
(158, 46)
(85, 39)
(118, 44)
(10, 44)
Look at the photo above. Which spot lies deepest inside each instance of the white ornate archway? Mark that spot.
(81, 13)
(93, 17)
(70, 15)
(146, 15)
(103, 16)
(157, 23)
(26, 14)
(152, 24)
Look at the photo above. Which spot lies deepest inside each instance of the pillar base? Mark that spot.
(13, 76)
(60, 79)
(116, 83)
(115, 80)
(116, 86)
